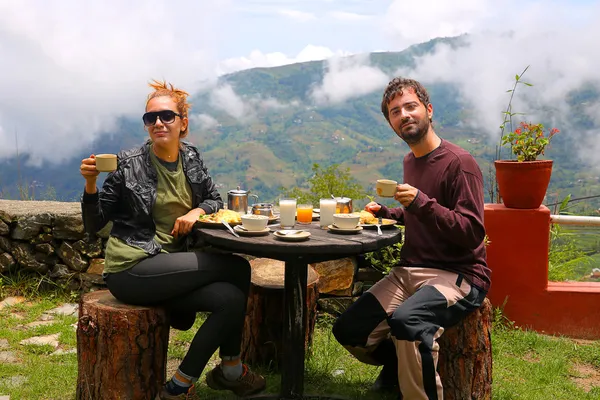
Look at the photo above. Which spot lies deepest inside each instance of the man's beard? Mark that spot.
(417, 132)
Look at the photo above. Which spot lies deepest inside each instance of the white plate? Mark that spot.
(296, 237)
(335, 229)
(244, 232)
(385, 223)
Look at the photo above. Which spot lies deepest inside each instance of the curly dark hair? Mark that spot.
(395, 88)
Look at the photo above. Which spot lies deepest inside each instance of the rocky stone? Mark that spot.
(4, 397)
(60, 271)
(336, 275)
(91, 248)
(4, 344)
(5, 216)
(8, 357)
(44, 248)
(369, 274)
(335, 305)
(4, 229)
(68, 227)
(48, 259)
(28, 226)
(96, 266)
(61, 352)
(72, 257)
(50, 340)
(5, 244)
(11, 301)
(42, 238)
(35, 324)
(91, 278)
(342, 292)
(14, 381)
(357, 289)
(65, 309)
(25, 256)
(7, 262)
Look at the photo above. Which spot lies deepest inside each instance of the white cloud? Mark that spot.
(408, 23)
(204, 121)
(225, 99)
(276, 59)
(348, 78)
(349, 16)
(558, 41)
(296, 15)
(72, 68)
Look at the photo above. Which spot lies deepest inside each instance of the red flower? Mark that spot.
(518, 131)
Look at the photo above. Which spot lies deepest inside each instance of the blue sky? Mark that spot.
(91, 60)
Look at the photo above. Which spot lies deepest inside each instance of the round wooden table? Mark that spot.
(322, 245)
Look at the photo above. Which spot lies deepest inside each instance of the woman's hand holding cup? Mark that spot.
(90, 173)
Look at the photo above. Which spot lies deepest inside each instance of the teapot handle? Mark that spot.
(255, 196)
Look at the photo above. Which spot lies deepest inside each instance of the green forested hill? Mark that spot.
(277, 146)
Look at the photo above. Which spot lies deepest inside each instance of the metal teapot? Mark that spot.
(237, 200)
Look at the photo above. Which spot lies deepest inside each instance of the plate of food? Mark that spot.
(215, 220)
(368, 220)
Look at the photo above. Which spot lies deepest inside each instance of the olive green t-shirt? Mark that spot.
(173, 200)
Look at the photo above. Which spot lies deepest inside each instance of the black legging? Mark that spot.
(191, 282)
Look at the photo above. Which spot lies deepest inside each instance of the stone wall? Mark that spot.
(47, 237)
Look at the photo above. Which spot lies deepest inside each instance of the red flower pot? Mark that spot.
(523, 184)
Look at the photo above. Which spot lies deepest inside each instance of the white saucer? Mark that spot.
(296, 237)
(244, 232)
(335, 229)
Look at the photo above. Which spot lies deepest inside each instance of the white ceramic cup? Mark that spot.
(254, 222)
(346, 221)
(386, 187)
(106, 162)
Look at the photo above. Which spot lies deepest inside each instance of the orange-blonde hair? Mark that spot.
(179, 96)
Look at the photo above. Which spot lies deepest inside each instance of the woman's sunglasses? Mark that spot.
(166, 116)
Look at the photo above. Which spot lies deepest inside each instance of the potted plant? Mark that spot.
(522, 183)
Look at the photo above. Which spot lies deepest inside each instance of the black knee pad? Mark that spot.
(354, 326)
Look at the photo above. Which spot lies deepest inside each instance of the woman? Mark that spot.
(153, 198)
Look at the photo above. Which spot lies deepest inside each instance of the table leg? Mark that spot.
(294, 330)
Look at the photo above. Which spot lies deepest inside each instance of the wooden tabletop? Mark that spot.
(321, 245)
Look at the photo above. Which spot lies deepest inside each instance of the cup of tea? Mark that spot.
(386, 187)
(106, 162)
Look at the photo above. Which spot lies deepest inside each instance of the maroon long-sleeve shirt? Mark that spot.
(444, 224)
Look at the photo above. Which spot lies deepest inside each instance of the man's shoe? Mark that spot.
(165, 395)
(247, 384)
(386, 382)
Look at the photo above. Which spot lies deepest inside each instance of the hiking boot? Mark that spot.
(165, 395)
(387, 381)
(247, 384)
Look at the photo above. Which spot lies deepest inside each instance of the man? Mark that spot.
(442, 275)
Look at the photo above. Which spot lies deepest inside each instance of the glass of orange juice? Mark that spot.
(304, 213)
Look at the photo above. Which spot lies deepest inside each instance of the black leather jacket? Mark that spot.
(129, 193)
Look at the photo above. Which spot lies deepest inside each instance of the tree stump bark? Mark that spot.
(263, 325)
(121, 349)
(465, 357)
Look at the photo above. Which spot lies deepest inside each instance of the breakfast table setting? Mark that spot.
(299, 235)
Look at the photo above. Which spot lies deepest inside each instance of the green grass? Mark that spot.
(526, 365)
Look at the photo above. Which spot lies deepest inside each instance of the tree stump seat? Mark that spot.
(465, 357)
(262, 340)
(121, 349)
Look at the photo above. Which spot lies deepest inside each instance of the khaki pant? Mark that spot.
(412, 307)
